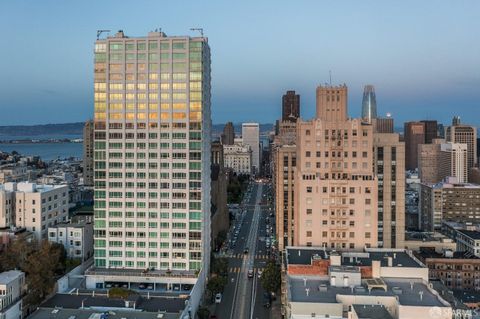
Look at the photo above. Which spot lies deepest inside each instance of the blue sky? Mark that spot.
(422, 56)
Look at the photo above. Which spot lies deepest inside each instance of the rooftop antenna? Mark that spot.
(99, 33)
(197, 29)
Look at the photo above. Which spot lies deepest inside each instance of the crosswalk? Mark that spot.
(236, 270)
(258, 256)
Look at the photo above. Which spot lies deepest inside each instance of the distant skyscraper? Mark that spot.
(251, 137)
(456, 120)
(464, 134)
(228, 135)
(431, 130)
(290, 107)
(414, 135)
(369, 103)
(152, 160)
(88, 153)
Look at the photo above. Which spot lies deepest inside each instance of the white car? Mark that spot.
(259, 272)
(218, 298)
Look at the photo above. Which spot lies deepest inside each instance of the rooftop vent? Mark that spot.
(397, 290)
(359, 289)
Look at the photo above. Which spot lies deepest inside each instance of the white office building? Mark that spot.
(238, 157)
(251, 137)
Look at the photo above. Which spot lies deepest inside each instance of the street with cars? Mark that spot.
(249, 247)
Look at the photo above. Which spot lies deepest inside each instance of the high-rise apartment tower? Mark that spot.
(152, 159)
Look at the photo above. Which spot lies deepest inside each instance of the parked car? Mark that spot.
(218, 298)
(267, 300)
(250, 273)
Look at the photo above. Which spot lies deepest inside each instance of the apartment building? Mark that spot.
(335, 188)
(12, 289)
(389, 167)
(33, 207)
(77, 238)
(88, 153)
(152, 150)
(13, 173)
(283, 166)
(448, 202)
(374, 283)
(7, 206)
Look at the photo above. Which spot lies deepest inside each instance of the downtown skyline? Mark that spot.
(422, 63)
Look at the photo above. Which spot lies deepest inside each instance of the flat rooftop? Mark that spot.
(371, 312)
(61, 313)
(321, 291)
(470, 233)
(139, 272)
(77, 224)
(7, 276)
(400, 258)
(303, 256)
(155, 304)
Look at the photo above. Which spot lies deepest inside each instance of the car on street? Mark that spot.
(267, 300)
(218, 298)
(250, 273)
(245, 251)
(259, 273)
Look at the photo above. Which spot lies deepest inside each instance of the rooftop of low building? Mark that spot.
(470, 233)
(152, 303)
(62, 313)
(399, 257)
(409, 291)
(371, 312)
(7, 276)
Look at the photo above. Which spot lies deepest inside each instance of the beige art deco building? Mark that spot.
(335, 187)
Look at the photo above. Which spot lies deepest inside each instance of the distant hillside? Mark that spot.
(77, 129)
(46, 129)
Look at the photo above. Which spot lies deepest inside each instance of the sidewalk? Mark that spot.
(276, 310)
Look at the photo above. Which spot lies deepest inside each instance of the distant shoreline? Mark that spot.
(33, 141)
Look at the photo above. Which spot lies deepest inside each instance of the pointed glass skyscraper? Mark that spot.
(369, 103)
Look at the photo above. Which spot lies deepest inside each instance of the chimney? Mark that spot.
(376, 265)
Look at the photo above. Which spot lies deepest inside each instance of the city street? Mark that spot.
(243, 296)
